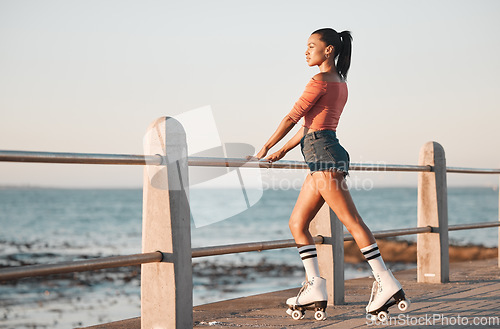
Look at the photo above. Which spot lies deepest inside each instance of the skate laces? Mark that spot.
(305, 285)
(376, 289)
(374, 292)
(379, 282)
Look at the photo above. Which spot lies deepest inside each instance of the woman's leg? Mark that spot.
(308, 204)
(333, 189)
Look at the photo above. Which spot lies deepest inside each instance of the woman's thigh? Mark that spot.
(333, 189)
(308, 204)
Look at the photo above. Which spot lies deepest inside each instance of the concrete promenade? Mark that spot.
(470, 300)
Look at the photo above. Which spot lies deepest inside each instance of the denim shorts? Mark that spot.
(322, 151)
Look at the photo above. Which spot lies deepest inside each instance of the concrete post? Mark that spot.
(432, 248)
(166, 287)
(331, 252)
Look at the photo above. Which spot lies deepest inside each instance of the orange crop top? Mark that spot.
(321, 105)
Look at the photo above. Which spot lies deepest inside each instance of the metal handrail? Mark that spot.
(19, 272)
(459, 227)
(80, 158)
(463, 170)
(131, 159)
(247, 247)
(393, 233)
(279, 244)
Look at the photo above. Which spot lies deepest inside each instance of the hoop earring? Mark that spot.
(326, 56)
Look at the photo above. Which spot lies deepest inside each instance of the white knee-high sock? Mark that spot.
(310, 260)
(372, 255)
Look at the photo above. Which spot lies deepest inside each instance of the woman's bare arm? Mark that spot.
(284, 127)
(294, 141)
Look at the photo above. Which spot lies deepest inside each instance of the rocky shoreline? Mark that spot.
(399, 251)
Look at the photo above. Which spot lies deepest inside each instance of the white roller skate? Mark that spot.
(386, 287)
(312, 296)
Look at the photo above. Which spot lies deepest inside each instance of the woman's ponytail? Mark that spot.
(342, 44)
(344, 54)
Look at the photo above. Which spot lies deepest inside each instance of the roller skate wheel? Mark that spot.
(404, 305)
(320, 315)
(297, 315)
(382, 316)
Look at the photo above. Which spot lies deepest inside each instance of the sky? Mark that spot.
(90, 76)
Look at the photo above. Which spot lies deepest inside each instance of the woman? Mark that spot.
(321, 105)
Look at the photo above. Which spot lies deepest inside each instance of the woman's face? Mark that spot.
(316, 50)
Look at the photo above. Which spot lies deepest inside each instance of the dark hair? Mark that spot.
(341, 42)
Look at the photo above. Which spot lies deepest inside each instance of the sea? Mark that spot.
(50, 225)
